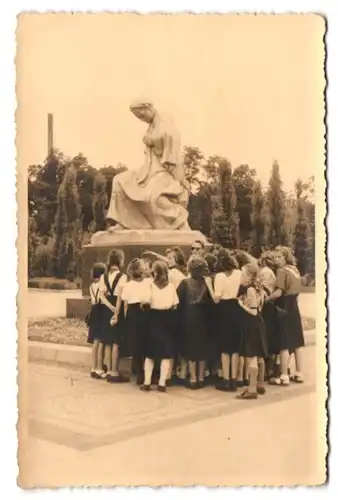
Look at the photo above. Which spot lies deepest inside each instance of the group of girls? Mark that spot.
(224, 319)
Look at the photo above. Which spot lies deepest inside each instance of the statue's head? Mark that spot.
(143, 109)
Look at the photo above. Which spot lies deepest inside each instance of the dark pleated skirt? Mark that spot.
(177, 333)
(133, 340)
(253, 336)
(213, 354)
(270, 318)
(291, 334)
(195, 332)
(109, 334)
(94, 328)
(228, 314)
(160, 337)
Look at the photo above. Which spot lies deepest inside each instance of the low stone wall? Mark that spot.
(77, 308)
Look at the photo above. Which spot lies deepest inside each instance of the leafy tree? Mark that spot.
(43, 184)
(302, 231)
(32, 244)
(244, 183)
(100, 200)
(193, 161)
(109, 173)
(211, 169)
(276, 206)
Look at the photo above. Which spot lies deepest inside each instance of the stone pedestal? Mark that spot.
(133, 243)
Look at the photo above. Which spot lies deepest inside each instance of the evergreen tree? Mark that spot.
(302, 232)
(100, 200)
(244, 184)
(32, 244)
(67, 226)
(219, 224)
(276, 208)
(228, 196)
(258, 221)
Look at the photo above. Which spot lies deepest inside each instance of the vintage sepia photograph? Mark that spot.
(171, 306)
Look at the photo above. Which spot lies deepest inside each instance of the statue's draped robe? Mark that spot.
(153, 196)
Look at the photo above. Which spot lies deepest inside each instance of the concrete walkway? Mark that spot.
(82, 431)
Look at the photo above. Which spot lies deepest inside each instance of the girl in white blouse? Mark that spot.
(226, 287)
(135, 296)
(252, 332)
(111, 287)
(93, 321)
(159, 342)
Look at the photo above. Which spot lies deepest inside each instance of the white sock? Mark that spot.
(165, 367)
(148, 370)
(184, 369)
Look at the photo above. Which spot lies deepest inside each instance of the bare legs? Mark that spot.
(299, 364)
(225, 359)
(253, 374)
(234, 367)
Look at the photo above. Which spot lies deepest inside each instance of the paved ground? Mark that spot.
(83, 431)
(52, 304)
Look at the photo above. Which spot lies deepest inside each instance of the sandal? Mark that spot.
(116, 379)
(192, 385)
(223, 385)
(279, 381)
(145, 388)
(297, 379)
(247, 395)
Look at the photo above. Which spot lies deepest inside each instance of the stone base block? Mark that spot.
(77, 308)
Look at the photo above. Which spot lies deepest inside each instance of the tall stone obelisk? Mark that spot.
(50, 133)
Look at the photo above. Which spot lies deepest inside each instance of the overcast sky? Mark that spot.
(246, 87)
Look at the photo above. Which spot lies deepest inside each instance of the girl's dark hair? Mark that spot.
(211, 260)
(160, 272)
(226, 262)
(115, 258)
(134, 269)
(216, 248)
(98, 269)
(179, 257)
(197, 266)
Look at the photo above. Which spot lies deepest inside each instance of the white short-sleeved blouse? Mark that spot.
(227, 287)
(175, 276)
(111, 276)
(136, 292)
(163, 298)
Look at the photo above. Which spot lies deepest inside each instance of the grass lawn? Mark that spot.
(74, 331)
